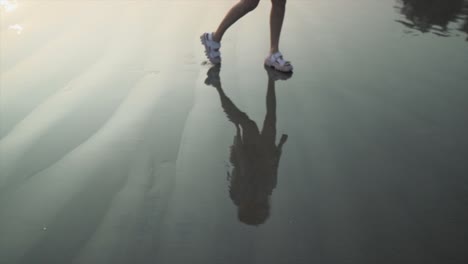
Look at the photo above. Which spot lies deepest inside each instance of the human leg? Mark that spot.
(235, 13)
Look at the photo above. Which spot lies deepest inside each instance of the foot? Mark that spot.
(212, 76)
(277, 62)
(211, 48)
(277, 75)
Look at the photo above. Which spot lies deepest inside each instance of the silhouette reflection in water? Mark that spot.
(435, 15)
(254, 154)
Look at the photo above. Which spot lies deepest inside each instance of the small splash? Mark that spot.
(16, 27)
(8, 5)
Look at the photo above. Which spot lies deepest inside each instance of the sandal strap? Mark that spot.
(214, 45)
(278, 58)
(210, 42)
(214, 53)
(276, 55)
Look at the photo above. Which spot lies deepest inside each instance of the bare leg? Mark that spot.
(236, 12)
(276, 22)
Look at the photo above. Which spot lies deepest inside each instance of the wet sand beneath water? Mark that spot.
(114, 150)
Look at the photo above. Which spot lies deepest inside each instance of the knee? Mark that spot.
(251, 4)
(279, 3)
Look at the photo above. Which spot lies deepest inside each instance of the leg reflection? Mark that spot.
(254, 154)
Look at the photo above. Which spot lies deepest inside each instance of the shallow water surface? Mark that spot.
(119, 144)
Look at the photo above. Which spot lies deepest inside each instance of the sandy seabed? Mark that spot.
(114, 150)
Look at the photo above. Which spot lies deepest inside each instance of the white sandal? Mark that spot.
(277, 62)
(211, 48)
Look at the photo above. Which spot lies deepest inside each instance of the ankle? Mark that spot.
(273, 51)
(215, 37)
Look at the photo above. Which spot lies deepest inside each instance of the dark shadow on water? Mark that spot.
(435, 16)
(254, 154)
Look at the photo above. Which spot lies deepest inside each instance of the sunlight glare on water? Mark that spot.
(8, 6)
(17, 28)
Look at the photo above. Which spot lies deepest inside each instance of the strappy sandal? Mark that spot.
(211, 48)
(277, 62)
